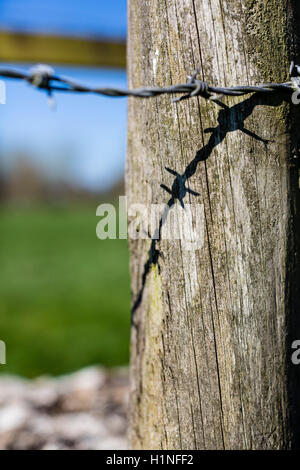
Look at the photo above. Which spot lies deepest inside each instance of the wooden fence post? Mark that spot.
(212, 327)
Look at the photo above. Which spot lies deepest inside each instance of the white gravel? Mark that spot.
(84, 410)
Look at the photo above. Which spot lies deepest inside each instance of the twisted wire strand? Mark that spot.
(44, 78)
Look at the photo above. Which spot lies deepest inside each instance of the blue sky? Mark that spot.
(72, 17)
(84, 139)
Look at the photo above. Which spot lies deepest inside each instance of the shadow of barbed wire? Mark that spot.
(230, 119)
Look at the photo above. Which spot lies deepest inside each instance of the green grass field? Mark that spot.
(64, 294)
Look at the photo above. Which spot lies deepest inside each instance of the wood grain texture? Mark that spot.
(212, 328)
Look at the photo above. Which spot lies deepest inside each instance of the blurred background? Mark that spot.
(64, 294)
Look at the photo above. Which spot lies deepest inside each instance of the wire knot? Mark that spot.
(40, 76)
(201, 86)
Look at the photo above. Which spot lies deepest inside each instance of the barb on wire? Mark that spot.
(44, 78)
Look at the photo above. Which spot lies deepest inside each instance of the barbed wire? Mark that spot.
(44, 77)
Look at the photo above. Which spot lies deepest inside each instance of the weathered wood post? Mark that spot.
(212, 328)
